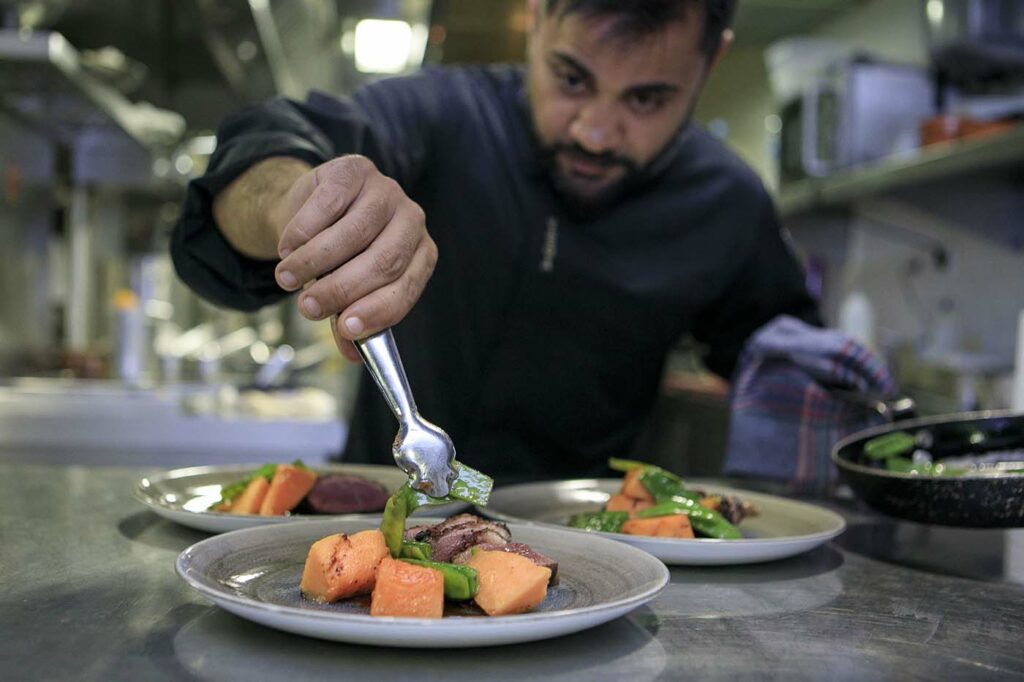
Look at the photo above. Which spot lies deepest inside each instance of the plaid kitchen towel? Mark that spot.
(783, 419)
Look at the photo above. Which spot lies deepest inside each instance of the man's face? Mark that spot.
(604, 105)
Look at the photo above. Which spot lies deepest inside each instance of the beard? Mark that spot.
(587, 196)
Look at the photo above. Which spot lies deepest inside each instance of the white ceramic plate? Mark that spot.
(184, 495)
(782, 529)
(255, 573)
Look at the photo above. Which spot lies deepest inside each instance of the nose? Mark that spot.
(595, 129)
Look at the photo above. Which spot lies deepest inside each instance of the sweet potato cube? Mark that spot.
(632, 487)
(642, 526)
(674, 526)
(508, 583)
(620, 503)
(407, 590)
(627, 504)
(289, 485)
(251, 498)
(340, 566)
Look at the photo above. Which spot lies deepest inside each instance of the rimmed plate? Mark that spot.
(185, 495)
(255, 573)
(783, 528)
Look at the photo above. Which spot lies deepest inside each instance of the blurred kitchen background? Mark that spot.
(890, 131)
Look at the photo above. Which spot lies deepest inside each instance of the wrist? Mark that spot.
(274, 214)
(253, 211)
(275, 204)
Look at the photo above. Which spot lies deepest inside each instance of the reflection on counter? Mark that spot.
(977, 554)
(108, 423)
(229, 402)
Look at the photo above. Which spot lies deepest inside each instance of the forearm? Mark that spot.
(251, 213)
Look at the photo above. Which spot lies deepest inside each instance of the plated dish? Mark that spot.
(185, 496)
(255, 573)
(782, 527)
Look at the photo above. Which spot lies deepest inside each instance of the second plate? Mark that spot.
(783, 528)
(185, 495)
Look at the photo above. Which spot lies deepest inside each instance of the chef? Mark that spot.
(539, 237)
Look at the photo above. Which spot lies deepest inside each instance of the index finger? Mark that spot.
(336, 186)
(347, 348)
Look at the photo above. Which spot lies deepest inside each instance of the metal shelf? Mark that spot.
(938, 162)
(42, 83)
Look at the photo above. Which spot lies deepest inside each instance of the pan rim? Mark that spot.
(915, 423)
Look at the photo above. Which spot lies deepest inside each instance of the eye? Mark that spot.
(646, 102)
(571, 82)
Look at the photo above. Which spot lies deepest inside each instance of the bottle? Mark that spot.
(857, 318)
(131, 333)
(1017, 391)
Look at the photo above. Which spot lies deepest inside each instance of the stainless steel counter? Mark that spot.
(50, 421)
(89, 593)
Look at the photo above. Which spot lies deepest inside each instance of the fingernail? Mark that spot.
(283, 253)
(311, 307)
(354, 325)
(287, 279)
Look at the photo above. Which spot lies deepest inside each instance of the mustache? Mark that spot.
(606, 159)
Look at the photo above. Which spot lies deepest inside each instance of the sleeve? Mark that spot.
(392, 122)
(770, 283)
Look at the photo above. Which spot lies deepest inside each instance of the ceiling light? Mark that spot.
(383, 45)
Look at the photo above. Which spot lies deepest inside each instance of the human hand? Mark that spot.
(357, 244)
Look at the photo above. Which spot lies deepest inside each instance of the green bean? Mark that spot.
(607, 522)
(460, 582)
(704, 521)
(890, 445)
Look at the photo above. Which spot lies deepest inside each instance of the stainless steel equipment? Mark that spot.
(977, 50)
(859, 111)
(421, 449)
(974, 42)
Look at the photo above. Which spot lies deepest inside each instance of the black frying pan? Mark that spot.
(986, 498)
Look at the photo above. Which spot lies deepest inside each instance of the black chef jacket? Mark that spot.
(540, 340)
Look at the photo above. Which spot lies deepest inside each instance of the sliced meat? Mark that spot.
(456, 520)
(457, 533)
(735, 509)
(418, 533)
(732, 507)
(498, 530)
(519, 548)
(460, 539)
(345, 494)
(449, 544)
(462, 522)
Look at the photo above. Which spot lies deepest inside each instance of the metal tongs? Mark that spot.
(421, 449)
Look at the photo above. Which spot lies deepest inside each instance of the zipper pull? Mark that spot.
(550, 248)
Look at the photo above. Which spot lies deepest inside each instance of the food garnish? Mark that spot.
(651, 502)
(279, 489)
(412, 572)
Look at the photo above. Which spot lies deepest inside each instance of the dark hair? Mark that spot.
(641, 17)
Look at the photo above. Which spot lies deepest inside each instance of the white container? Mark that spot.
(1017, 392)
(131, 337)
(857, 318)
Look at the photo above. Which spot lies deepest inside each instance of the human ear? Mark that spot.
(727, 39)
